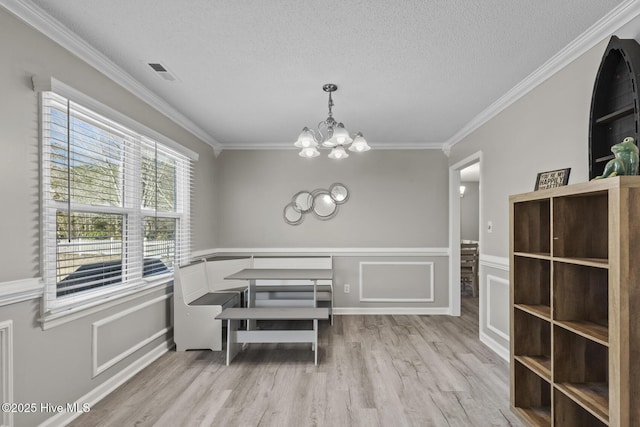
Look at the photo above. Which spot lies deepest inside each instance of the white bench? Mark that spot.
(236, 337)
(199, 296)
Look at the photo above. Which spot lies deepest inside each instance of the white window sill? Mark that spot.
(78, 309)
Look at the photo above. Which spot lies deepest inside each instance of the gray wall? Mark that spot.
(470, 211)
(55, 365)
(546, 129)
(397, 199)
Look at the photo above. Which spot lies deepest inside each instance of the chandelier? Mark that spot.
(330, 135)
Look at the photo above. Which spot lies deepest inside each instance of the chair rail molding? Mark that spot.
(491, 261)
(21, 290)
(372, 251)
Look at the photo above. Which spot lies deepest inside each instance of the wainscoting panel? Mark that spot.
(397, 282)
(6, 369)
(497, 299)
(494, 304)
(112, 339)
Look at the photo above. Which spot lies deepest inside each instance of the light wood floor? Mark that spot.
(373, 371)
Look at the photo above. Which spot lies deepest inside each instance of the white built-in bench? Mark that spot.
(236, 338)
(200, 294)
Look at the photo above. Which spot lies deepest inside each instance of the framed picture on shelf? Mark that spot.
(552, 179)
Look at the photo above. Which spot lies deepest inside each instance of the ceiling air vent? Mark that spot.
(162, 71)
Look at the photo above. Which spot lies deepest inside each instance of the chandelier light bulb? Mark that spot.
(309, 152)
(338, 153)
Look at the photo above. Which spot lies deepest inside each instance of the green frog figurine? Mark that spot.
(625, 161)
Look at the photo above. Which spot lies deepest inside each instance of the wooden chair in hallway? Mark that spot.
(469, 266)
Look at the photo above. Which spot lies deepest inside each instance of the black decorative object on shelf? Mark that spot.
(614, 104)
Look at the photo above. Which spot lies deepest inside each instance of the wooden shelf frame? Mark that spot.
(583, 290)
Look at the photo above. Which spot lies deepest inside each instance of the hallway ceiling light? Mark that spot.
(330, 135)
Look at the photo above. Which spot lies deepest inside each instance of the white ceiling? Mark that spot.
(250, 72)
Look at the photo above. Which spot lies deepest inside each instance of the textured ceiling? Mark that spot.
(251, 72)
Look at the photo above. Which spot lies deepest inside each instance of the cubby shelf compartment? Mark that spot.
(532, 234)
(533, 283)
(581, 300)
(581, 371)
(532, 342)
(567, 413)
(533, 399)
(580, 227)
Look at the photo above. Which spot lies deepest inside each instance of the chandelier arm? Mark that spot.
(315, 134)
(320, 133)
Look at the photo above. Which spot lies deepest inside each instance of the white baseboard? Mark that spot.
(391, 310)
(495, 346)
(100, 392)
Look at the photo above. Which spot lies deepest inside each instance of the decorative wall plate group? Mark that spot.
(323, 204)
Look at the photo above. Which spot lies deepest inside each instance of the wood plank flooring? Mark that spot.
(373, 371)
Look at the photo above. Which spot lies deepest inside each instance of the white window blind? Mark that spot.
(115, 205)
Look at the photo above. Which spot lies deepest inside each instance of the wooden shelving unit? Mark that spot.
(575, 304)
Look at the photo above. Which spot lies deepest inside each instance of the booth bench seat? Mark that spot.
(198, 299)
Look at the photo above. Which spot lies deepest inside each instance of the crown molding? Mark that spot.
(606, 26)
(53, 29)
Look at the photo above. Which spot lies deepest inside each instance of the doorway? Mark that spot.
(470, 240)
(464, 225)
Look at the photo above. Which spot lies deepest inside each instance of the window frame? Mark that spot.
(132, 211)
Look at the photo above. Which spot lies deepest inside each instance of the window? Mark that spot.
(115, 205)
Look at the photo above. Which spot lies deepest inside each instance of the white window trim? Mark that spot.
(101, 299)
